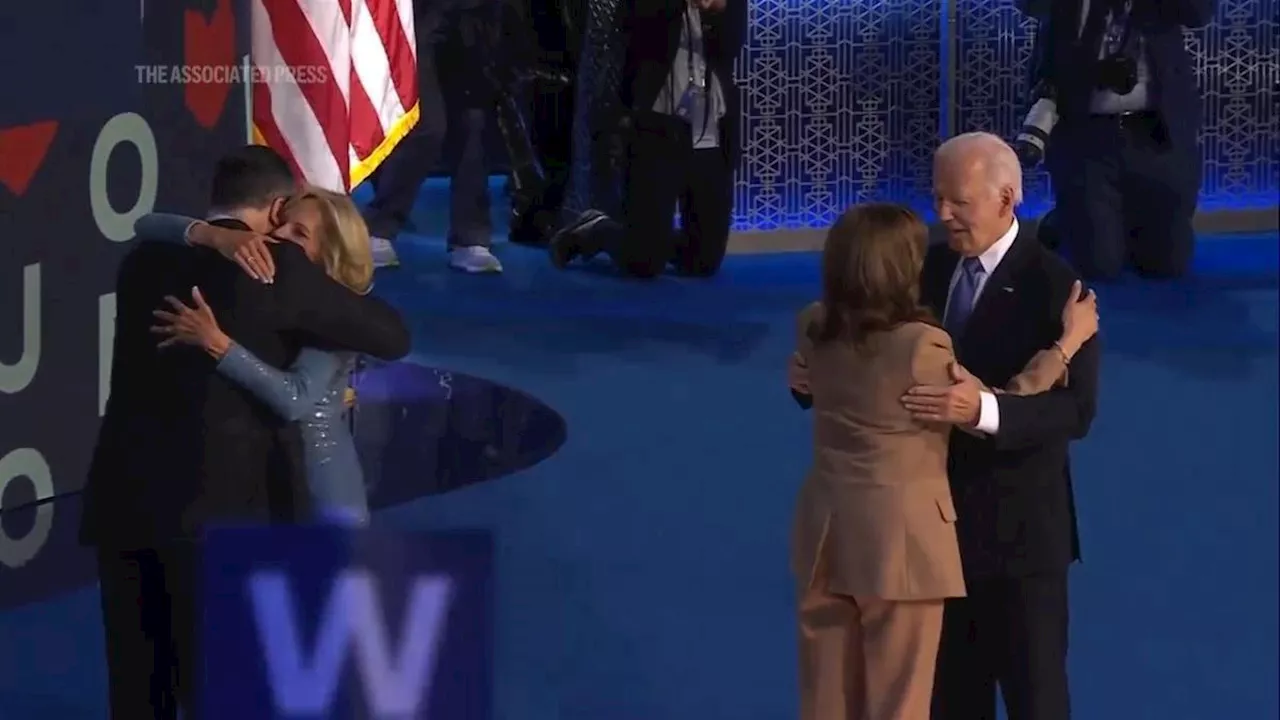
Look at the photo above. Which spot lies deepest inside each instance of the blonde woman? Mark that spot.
(312, 391)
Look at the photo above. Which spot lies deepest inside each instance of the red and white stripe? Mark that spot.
(353, 93)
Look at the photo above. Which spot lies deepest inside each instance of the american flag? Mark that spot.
(335, 85)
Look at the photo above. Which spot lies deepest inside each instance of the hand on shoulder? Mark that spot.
(1079, 320)
(245, 248)
(930, 333)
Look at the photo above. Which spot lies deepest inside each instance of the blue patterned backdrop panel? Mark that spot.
(842, 101)
(1237, 61)
(840, 104)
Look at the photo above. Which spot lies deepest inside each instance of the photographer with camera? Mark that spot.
(1116, 116)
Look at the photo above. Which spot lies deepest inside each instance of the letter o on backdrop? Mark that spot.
(28, 463)
(124, 128)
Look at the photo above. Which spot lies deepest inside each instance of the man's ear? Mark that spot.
(275, 212)
(1007, 199)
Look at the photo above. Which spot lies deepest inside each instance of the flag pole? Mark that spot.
(248, 99)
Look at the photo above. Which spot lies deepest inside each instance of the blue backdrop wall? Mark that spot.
(846, 99)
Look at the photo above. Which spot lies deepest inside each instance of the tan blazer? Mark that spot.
(876, 500)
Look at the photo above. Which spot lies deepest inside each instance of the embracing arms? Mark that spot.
(1061, 412)
(1047, 369)
(243, 247)
(291, 393)
(934, 367)
(164, 227)
(934, 364)
(1036, 413)
(1064, 412)
(327, 314)
(303, 298)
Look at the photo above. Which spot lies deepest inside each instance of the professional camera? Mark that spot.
(1117, 71)
(1036, 127)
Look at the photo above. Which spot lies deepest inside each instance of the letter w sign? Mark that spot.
(318, 623)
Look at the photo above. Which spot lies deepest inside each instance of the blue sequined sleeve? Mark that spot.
(290, 393)
(164, 227)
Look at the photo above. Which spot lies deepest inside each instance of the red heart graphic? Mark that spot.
(209, 44)
(22, 151)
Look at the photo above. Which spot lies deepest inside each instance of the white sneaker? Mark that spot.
(474, 259)
(384, 255)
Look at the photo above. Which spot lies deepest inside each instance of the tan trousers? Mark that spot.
(863, 658)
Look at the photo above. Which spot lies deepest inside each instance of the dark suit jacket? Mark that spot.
(1013, 491)
(181, 446)
(653, 38)
(1064, 60)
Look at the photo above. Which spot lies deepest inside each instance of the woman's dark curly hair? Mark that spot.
(871, 267)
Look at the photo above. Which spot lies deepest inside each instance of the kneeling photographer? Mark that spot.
(1117, 113)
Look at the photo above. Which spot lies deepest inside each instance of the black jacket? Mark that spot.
(181, 446)
(653, 38)
(1013, 491)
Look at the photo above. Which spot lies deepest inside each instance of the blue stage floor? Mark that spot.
(642, 565)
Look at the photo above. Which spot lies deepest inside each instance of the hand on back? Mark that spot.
(1079, 319)
(191, 325)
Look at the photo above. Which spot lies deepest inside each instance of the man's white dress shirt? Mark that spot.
(988, 409)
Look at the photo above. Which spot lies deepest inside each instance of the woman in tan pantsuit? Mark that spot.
(874, 545)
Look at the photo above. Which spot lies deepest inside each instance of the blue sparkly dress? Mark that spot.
(310, 393)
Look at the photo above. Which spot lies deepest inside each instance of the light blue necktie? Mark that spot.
(960, 306)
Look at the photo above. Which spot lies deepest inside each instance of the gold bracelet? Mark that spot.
(1066, 359)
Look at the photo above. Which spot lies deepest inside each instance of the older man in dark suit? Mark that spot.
(1123, 156)
(180, 446)
(1000, 294)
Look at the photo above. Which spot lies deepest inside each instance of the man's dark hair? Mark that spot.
(251, 176)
